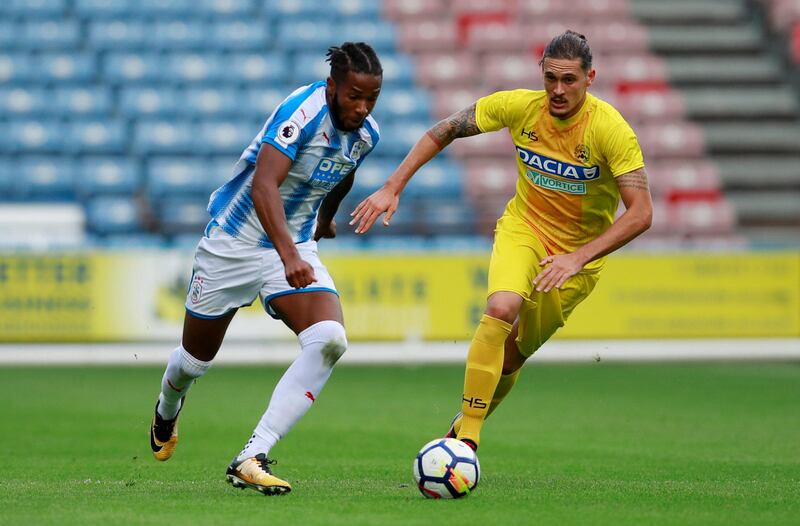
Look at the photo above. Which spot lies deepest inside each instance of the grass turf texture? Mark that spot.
(589, 444)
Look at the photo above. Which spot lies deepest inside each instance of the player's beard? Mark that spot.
(336, 112)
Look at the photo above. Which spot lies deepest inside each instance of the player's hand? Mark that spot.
(557, 270)
(327, 231)
(299, 273)
(369, 210)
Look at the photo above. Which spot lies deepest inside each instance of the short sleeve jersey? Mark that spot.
(566, 190)
(322, 155)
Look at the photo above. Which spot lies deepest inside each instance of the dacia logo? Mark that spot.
(549, 166)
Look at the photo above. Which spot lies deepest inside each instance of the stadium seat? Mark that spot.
(306, 34)
(101, 9)
(682, 176)
(398, 137)
(370, 176)
(439, 216)
(150, 101)
(178, 34)
(195, 68)
(676, 139)
(132, 68)
(440, 179)
(67, 67)
(24, 101)
(118, 34)
(50, 34)
(217, 9)
(416, 36)
(97, 136)
(414, 10)
(164, 136)
(108, 176)
(261, 102)
(113, 215)
(29, 9)
(241, 35)
(224, 136)
(294, 9)
(487, 177)
(398, 103)
(262, 69)
(308, 67)
(164, 8)
(88, 101)
(176, 176)
(503, 71)
(701, 217)
(398, 69)
(35, 136)
(210, 101)
(17, 68)
(447, 101)
(497, 36)
(380, 35)
(664, 106)
(46, 178)
(446, 69)
(177, 215)
(491, 144)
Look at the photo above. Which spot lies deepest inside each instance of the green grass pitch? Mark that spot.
(573, 444)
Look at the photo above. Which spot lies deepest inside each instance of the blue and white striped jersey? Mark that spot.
(301, 128)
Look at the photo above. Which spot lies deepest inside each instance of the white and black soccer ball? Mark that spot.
(446, 468)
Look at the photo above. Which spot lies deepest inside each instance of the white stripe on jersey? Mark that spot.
(301, 128)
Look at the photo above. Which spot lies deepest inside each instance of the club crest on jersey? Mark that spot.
(196, 290)
(356, 150)
(547, 166)
(288, 133)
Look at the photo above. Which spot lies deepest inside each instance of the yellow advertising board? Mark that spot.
(131, 296)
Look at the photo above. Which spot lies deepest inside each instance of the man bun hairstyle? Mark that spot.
(569, 45)
(358, 57)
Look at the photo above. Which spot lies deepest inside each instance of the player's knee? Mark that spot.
(501, 311)
(333, 334)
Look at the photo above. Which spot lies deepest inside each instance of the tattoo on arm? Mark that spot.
(459, 124)
(636, 179)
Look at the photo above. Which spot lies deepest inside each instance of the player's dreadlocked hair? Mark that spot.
(569, 45)
(358, 57)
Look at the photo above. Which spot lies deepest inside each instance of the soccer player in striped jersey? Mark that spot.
(576, 157)
(261, 243)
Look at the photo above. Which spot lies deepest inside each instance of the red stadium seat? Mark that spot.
(672, 178)
(428, 35)
(484, 145)
(495, 35)
(511, 71)
(447, 101)
(701, 217)
(490, 177)
(446, 69)
(671, 140)
(636, 107)
(401, 10)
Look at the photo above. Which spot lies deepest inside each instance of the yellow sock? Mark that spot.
(504, 386)
(484, 365)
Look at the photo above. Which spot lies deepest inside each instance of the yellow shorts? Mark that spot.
(515, 262)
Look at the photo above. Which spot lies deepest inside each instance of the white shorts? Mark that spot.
(229, 273)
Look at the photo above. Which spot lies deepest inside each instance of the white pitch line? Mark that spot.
(283, 352)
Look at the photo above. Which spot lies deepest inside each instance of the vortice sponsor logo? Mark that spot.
(559, 185)
(548, 166)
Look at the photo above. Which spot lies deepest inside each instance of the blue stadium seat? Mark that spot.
(178, 215)
(96, 9)
(132, 68)
(296, 9)
(205, 102)
(356, 8)
(261, 102)
(397, 137)
(215, 9)
(67, 67)
(169, 177)
(306, 34)
(194, 68)
(267, 69)
(8, 178)
(97, 136)
(113, 215)
(379, 34)
(136, 240)
(308, 67)
(162, 8)
(135, 102)
(28, 135)
(90, 100)
(9, 34)
(50, 34)
(108, 176)
(220, 170)
(24, 101)
(30, 9)
(122, 34)
(224, 137)
(446, 216)
(398, 69)
(17, 67)
(179, 34)
(165, 136)
(402, 103)
(371, 175)
(241, 34)
(46, 178)
(440, 178)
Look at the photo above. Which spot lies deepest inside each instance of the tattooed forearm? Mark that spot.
(636, 179)
(459, 124)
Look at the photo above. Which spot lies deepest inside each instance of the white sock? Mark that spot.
(182, 370)
(322, 345)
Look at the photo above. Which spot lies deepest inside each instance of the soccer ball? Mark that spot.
(446, 468)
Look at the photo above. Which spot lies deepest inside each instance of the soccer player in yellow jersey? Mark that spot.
(576, 157)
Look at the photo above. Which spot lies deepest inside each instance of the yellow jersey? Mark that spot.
(566, 190)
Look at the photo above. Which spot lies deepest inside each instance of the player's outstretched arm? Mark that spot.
(638, 216)
(387, 198)
(326, 225)
(272, 168)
